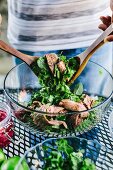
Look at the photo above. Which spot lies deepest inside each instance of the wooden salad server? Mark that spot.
(24, 57)
(86, 55)
(7, 48)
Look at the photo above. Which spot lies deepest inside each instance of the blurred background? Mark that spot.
(5, 60)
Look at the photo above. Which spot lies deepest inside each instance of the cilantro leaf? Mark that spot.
(78, 90)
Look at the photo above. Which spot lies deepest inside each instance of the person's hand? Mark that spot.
(111, 6)
(106, 21)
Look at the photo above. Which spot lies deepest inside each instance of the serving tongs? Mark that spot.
(84, 57)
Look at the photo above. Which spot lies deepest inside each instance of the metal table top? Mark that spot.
(101, 133)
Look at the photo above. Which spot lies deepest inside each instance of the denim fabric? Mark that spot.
(103, 56)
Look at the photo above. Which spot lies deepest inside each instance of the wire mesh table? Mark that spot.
(101, 133)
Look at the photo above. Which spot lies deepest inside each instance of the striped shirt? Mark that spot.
(42, 25)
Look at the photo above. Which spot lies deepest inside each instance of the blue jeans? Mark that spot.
(102, 56)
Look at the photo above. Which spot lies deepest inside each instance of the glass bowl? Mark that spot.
(99, 155)
(21, 82)
(110, 121)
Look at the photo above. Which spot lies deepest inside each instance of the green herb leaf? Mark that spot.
(78, 90)
(41, 63)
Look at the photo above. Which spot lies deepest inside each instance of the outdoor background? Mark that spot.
(5, 60)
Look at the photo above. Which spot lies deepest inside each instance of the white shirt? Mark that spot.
(42, 25)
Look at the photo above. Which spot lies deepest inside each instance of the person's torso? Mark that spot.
(40, 25)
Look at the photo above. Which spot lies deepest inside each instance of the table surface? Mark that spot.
(101, 133)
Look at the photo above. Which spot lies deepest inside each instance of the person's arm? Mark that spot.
(106, 21)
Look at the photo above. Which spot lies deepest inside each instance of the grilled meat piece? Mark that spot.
(47, 108)
(73, 120)
(56, 122)
(87, 101)
(35, 104)
(76, 119)
(72, 105)
(42, 121)
(61, 66)
(51, 60)
(52, 109)
(39, 120)
(84, 115)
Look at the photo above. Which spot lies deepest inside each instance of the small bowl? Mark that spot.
(102, 157)
(6, 125)
(21, 79)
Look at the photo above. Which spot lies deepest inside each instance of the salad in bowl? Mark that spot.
(48, 104)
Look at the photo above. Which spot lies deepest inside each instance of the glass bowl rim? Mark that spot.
(94, 141)
(62, 137)
(47, 113)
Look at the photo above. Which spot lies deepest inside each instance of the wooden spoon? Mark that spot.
(86, 55)
(24, 57)
(7, 48)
